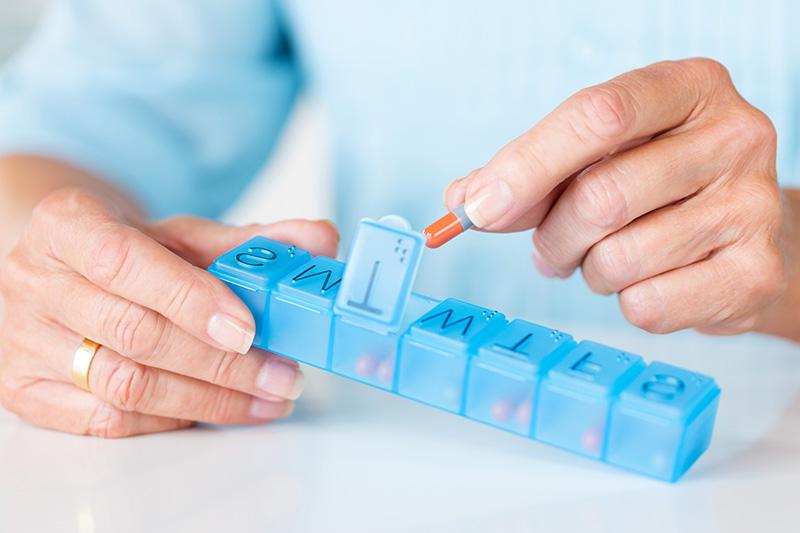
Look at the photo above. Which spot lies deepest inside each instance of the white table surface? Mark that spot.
(355, 459)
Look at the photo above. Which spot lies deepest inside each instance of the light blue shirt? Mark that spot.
(181, 102)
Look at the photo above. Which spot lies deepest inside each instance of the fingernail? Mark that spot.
(543, 268)
(230, 333)
(489, 204)
(267, 410)
(280, 378)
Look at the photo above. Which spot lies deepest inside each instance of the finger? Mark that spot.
(200, 241)
(621, 189)
(588, 126)
(534, 216)
(454, 196)
(148, 338)
(666, 239)
(122, 260)
(130, 386)
(456, 191)
(721, 294)
(64, 407)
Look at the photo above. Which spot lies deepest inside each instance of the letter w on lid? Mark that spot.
(436, 350)
(456, 325)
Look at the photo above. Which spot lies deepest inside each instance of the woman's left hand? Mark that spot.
(661, 185)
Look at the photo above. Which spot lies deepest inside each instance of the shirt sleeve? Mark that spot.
(177, 102)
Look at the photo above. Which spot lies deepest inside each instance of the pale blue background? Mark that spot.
(181, 101)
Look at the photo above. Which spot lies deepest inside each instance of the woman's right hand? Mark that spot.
(176, 342)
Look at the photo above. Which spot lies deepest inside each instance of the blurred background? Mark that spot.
(17, 18)
(298, 173)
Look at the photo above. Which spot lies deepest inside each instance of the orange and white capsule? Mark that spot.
(448, 227)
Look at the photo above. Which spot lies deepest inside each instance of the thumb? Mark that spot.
(200, 241)
(471, 192)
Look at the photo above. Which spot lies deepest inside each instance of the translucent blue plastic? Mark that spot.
(361, 321)
(436, 350)
(577, 393)
(383, 264)
(662, 422)
(252, 270)
(369, 355)
(301, 311)
(504, 375)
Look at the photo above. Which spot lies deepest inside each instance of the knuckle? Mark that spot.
(610, 264)
(762, 200)
(546, 246)
(641, 309)
(107, 422)
(604, 112)
(224, 368)
(128, 385)
(64, 204)
(179, 297)
(220, 406)
(523, 159)
(21, 279)
(59, 203)
(751, 129)
(765, 277)
(109, 257)
(136, 330)
(599, 201)
(710, 69)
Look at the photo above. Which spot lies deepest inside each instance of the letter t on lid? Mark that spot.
(380, 273)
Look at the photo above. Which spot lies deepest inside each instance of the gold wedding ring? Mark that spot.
(82, 363)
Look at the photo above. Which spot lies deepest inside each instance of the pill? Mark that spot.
(448, 227)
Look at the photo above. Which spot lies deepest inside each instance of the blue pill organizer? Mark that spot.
(361, 320)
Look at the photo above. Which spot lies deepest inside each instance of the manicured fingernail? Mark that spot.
(267, 410)
(280, 378)
(230, 333)
(543, 268)
(489, 204)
